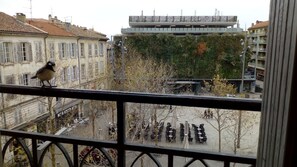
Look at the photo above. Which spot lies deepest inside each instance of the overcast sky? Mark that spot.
(109, 16)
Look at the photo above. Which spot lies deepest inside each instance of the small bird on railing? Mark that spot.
(45, 73)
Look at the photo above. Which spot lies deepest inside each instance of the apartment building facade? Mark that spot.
(21, 54)
(257, 40)
(24, 50)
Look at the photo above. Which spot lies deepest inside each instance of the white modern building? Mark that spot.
(181, 25)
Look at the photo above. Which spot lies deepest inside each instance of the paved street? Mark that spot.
(190, 114)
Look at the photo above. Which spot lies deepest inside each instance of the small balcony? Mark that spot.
(118, 151)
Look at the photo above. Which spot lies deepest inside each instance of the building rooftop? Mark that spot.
(182, 25)
(259, 24)
(50, 28)
(78, 31)
(224, 21)
(17, 25)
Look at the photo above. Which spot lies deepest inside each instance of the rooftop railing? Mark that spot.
(121, 145)
(181, 30)
(232, 19)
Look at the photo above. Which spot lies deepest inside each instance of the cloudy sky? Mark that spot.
(109, 16)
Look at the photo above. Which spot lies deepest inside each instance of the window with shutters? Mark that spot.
(9, 79)
(62, 50)
(96, 69)
(24, 79)
(96, 49)
(83, 71)
(101, 67)
(82, 50)
(90, 70)
(69, 73)
(6, 52)
(24, 52)
(90, 50)
(71, 48)
(74, 50)
(38, 52)
(52, 51)
(74, 73)
(64, 75)
(101, 49)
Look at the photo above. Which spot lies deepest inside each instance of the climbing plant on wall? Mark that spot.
(193, 56)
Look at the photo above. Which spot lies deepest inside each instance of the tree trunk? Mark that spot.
(93, 123)
(219, 130)
(239, 129)
(220, 147)
(155, 126)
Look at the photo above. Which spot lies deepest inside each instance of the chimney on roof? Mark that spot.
(53, 19)
(67, 26)
(258, 21)
(21, 17)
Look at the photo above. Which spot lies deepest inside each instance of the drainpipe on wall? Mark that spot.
(45, 48)
(78, 59)
(2, 112)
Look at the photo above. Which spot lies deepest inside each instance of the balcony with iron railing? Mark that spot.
(171, 156)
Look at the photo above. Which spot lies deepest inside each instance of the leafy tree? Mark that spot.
(142, 73)
(243, 123)
(236, 124)
(220, 87)
(201, 48)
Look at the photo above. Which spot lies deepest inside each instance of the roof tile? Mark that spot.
(50, 28)
(10, 24)
(260, 24)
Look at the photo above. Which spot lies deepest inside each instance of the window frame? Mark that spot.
(90, 50)
(83, 71)
(6, 52)
(38, 51)
(82, 50)
(52, 51)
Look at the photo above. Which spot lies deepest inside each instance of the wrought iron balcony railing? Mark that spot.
(120, 145)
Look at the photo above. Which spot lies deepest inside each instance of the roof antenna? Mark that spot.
(31, 9)
(52, 13)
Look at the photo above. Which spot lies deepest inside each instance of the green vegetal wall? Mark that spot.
(193, 56)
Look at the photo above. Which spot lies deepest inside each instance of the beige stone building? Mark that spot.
(21, 53)
(26, 45)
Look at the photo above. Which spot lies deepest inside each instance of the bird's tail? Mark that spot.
(34, 77)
